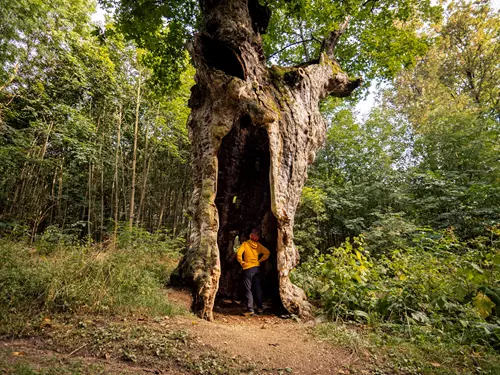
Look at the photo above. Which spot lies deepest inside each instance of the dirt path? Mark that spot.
(272, 342)
(232, 344)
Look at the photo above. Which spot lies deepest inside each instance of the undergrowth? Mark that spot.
(56, 276)
(420, 353)
(437, 300)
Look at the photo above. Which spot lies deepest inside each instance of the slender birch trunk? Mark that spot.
(145, 168)
(60, 189)
(89, 192)
(134, 157)
(116, 179)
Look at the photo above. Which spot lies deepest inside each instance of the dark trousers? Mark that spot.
(251, 280)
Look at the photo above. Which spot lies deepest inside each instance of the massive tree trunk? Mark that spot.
(254, 131)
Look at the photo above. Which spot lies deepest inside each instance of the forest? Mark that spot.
(133, 155)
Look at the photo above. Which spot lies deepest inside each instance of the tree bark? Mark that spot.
(60, 190)
(254, 130)
(89, 191)
(116, 184)
(146, 163)
(134, 158)
(101, 231)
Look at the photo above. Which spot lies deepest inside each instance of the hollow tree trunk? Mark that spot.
(254, 131)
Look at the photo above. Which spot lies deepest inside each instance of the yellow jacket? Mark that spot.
(250, 251)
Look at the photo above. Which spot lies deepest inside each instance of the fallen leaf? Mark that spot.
(435, 364)
(17, 354)
(46, 322)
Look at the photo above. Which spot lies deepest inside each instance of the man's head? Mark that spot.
(255, 235)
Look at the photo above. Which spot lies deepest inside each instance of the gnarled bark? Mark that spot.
(254, 131)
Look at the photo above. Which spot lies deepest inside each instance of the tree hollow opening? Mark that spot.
(222, 57)
(244, 202)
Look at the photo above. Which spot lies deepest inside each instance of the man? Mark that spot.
(248, 256)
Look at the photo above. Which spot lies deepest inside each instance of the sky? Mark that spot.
(364, 106)
(98, 16)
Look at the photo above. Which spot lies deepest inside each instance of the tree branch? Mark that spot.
(330, 43)
(370, 1)
(306, 53)
(291, 45)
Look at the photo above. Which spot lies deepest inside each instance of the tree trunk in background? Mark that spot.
(117, 180)
(254, 131)
(60, 190)
(134, 158)
(146, 162)
(101, 231)
(53, 195)
(89, 192)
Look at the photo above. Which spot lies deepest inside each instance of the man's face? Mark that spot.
(254, 237)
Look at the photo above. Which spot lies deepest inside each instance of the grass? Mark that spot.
(424, 351)
(52, 366)
(109, 305)
(80, 280)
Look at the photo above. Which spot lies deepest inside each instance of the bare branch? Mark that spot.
(291, 45)
(370, 1)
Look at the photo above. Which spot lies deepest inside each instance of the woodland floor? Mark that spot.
(232, 344)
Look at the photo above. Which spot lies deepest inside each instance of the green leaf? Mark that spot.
(420, 317)
(483, 304)
(362, 314)
(476, 267)
(325, 288)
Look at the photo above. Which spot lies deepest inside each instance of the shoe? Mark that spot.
(259, 312)
(247, 313)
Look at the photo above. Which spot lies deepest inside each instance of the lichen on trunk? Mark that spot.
(254, 130)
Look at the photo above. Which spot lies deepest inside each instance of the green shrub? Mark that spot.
(54, 238)
(160, 241)
(439, 282)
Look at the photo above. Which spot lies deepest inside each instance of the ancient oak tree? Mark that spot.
(254, 129)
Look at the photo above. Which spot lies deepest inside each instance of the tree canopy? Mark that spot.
(381, 38)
